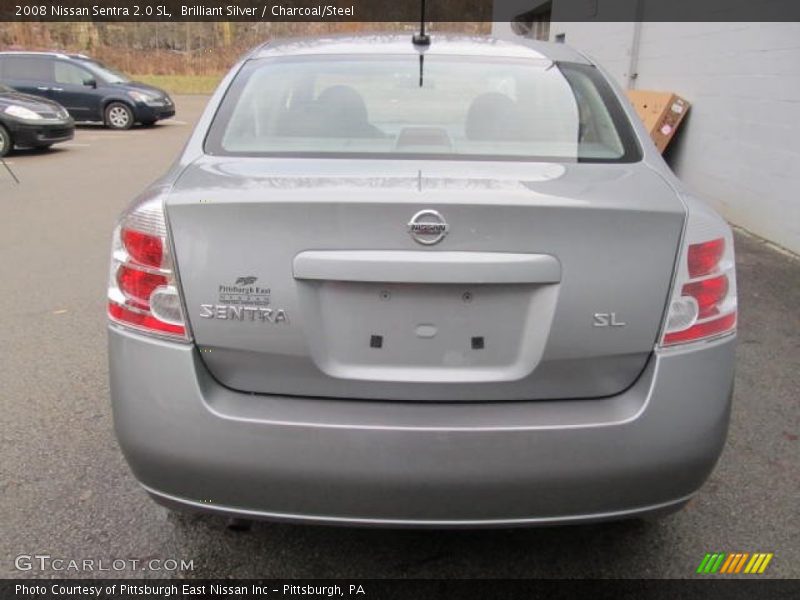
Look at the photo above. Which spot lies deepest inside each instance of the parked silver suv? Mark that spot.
(452, 285)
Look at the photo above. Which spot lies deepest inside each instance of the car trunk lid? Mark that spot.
(318, 278)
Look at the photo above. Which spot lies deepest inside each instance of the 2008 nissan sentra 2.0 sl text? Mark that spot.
(428, 285)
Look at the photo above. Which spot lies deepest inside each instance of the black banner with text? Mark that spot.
(397, 10)
(618, 589)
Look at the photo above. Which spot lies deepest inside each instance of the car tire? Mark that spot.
(42, 147)
(148, 123)
(118, 116)
(6, 142)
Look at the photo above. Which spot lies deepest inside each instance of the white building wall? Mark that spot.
(739, 146)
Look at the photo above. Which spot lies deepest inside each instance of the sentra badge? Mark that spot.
(232, 312)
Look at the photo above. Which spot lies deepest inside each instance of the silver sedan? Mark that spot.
(405, 285)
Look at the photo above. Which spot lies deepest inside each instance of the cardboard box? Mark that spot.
(661, 112)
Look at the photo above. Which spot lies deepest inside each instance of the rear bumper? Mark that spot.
(195, 444)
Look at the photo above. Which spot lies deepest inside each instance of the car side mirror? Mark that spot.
(90, 82)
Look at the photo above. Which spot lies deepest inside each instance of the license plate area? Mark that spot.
(426, 332)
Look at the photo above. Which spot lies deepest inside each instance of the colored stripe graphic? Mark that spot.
(718, 564)
(729, 562)
(764, 564)
(711, 563)
(741, 562)
(703, 563)
(734, 562)
(752, 563)
(758, 563)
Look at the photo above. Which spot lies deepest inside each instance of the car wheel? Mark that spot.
(148, 123)
(42, 147)
(119, 116)
(6, 143)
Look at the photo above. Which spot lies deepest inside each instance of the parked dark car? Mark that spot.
(31, 121)
(88, 89)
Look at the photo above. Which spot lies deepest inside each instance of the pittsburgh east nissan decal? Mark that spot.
(244, 301)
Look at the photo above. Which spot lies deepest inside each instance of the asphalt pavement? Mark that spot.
(66, 492)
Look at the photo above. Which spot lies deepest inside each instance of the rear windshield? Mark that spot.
(445, 107)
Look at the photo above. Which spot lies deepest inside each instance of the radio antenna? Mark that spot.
(422, 38)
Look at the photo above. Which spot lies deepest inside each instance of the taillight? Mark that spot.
(703, 304)
(137, 285)
(142, 247)
(704, 257)
(143, 290)
(709, 293)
